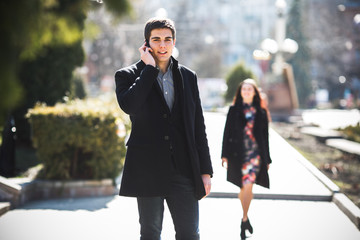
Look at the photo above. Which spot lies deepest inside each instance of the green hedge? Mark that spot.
(352, 132)
(80, 139)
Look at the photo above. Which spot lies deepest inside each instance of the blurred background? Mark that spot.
(303, 54)
(319, 39)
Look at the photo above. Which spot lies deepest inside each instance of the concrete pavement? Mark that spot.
(290, 179)
(296, 207)
(111, 218)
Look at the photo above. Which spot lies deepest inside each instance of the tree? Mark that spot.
(19, 39)
(301, 60)
(27, 27)
(238, 74)
(40, 46)
(328, 30)
(47, 79)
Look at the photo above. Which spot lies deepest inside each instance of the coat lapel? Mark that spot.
(140, 66)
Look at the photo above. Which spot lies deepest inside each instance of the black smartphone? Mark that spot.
(147, 43)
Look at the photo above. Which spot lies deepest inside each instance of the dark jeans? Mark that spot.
(182, 205)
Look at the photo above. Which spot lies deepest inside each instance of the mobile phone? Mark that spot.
(147, 43)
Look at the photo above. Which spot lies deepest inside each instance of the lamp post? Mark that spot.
(280, 35)
(284, 45)
(281, 47)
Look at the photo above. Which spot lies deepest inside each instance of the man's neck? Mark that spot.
(164, 66)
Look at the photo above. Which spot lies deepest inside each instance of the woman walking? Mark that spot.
(245, 150)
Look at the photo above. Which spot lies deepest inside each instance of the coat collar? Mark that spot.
(140, 64)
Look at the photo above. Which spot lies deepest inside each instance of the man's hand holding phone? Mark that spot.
(146, 56)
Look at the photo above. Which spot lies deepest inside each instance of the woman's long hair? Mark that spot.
(238, 98)
(259, 101)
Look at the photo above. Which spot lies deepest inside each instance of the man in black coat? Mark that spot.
(167, 152)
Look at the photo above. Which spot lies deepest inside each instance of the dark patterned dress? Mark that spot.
(251, 164)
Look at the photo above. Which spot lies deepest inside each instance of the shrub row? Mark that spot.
(80, 139)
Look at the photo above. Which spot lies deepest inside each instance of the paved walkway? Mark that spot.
(311, 217)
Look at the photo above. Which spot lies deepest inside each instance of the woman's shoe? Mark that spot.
(249, 227)
(245, 225)
(242, 234)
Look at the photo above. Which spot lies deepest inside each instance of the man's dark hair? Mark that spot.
(158, 23)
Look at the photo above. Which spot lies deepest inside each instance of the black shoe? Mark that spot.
(249, 227)
(244, 226)
(242, 234)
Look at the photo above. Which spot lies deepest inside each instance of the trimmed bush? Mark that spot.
(352, 132)
(237, 74)
(80, 139)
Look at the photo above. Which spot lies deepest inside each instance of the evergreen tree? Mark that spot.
(29, 29)
(40, 47)
(238, 74)
(301, 60)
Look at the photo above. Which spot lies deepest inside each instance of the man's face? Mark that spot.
(162, 43)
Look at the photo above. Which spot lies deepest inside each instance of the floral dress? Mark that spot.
(251, 164)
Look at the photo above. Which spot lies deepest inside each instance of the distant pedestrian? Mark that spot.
(264, 103)
(245, 150)
(167, 156)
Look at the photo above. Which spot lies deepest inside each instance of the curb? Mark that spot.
(275, 196)
(348, 208)
(340, 199)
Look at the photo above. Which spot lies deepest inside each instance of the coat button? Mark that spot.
(166, 138)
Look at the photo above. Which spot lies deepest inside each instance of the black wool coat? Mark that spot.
(148, 168)
(233, 144)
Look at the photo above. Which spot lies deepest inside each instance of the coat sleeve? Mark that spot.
(226, 135)
(132, 90)
(200, 135)
(266, 138)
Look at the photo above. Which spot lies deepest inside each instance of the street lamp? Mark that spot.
(280, 34)
(280, 47)
(270, 45)
(281, 44)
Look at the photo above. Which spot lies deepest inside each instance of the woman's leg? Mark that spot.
(245, 196)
